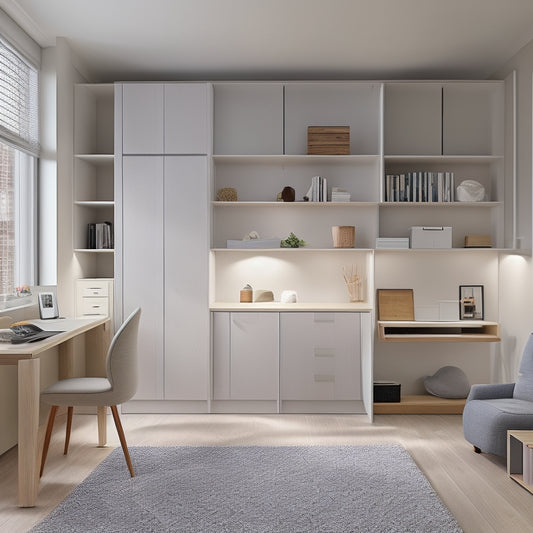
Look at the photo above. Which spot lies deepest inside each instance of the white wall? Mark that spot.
(516, 273)
(67, 267)
(48, 169)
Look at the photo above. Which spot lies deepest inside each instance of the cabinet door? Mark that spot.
(187, 118)
(221, 355)
(142, 118)
(186, 240)
(320, 356)
(413, 119)
(254, 356)
(142, 265)
(248, 118)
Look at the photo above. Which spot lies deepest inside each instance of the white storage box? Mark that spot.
(431, 237)
(392, 242)
(255, 243)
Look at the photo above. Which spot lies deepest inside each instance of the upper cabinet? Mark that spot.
(248, 119)
(166, 118)
(413, 119)
(444, 119)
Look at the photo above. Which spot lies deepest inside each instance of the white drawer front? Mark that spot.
(94, 289)
(320, 356)
(95, 306)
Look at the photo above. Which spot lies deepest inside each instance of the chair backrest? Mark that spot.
(121, 363)
(523, 389)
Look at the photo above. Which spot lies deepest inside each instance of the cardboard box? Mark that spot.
(386, 391)
(328, 140)
(431, 237)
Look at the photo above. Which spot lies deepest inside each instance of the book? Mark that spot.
(419, 186)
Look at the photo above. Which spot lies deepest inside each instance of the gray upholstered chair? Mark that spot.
(118, 387)
(491, 410)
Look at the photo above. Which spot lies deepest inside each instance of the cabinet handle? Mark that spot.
(324, 352)
(324, 317)
(324, 378)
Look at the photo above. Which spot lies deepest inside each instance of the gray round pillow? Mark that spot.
(448, 382)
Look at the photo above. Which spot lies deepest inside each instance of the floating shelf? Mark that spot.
(418, 331)
(422, 404)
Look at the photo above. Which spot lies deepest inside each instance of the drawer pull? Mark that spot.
(324, 352)
(324, 317)
(324, 378)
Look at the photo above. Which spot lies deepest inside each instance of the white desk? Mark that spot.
(26, 357)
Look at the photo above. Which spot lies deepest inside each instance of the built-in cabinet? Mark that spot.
(164, 238)
(258, 131)
(271, 361)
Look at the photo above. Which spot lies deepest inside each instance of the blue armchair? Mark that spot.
(491, 410)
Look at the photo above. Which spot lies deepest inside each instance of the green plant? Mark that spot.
(292, 242)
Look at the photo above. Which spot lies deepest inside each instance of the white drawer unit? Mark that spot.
(94, 297)
(320, 356)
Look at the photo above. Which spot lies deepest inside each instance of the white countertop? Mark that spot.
(358, 307)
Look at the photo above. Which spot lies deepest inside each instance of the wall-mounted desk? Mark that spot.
(27, 358)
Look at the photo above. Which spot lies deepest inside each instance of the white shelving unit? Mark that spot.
(93, 173)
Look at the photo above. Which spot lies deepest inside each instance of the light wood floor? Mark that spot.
(475, 487)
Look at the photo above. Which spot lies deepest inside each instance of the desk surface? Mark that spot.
(11, 353)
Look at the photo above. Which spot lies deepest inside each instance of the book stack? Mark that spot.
(420, 187)
(340, 195)
(100, 236)
(318, 192)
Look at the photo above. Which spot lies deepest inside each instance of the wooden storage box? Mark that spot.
(478, 241)
(328, 140)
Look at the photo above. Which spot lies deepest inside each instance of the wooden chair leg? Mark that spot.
(48, 435)
(122, 438)
(70, 411)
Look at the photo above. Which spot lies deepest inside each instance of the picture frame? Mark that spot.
(48, 305)
(471, 305)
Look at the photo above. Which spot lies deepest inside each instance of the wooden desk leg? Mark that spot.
(28, 428)
(101, 413)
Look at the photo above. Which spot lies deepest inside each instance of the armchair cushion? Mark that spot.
(491, 391)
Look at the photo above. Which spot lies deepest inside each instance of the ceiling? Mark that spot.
(282, 39)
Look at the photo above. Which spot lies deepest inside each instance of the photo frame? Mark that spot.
(471, 305)
(48, 305)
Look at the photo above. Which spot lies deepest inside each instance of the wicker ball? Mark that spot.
(227, 194)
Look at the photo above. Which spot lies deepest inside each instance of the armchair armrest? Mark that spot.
(491, 391)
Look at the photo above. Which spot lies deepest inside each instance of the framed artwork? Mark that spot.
(471, 302)
(48, 305)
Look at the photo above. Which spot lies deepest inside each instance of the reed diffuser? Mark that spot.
(354, 283)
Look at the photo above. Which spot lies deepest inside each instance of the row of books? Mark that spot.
(318, 192)
(100, 236)
(420, 187)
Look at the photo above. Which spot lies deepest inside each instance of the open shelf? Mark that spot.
(421, 404)
(418, 331)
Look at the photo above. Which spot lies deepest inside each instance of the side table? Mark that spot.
(516, 439)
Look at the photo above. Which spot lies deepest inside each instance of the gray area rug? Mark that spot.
(232, 489)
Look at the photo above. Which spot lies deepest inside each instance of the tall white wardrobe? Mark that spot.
(162, 144)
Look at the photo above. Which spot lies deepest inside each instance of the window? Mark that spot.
(19, 149)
